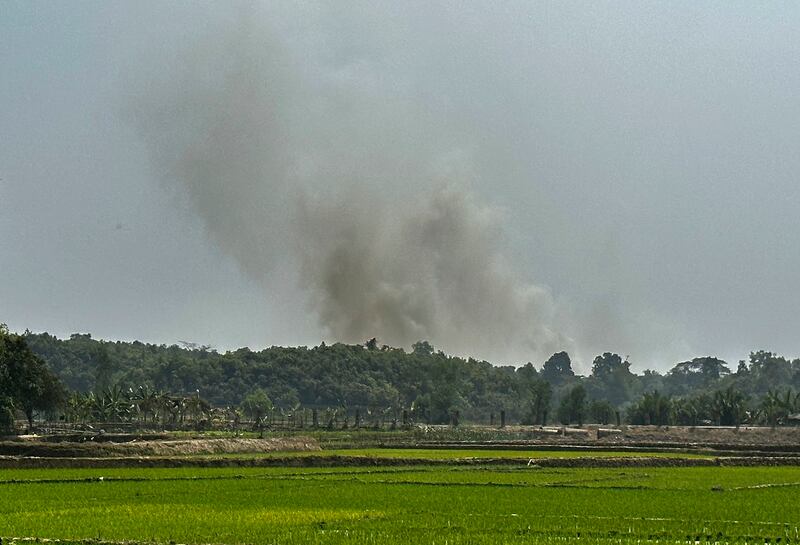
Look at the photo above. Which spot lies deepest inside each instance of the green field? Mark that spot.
(454, 454)
(404, 505)
(447, 454)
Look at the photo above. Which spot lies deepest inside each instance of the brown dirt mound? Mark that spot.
(158, 448)
(218, 446)
(751, 436)
(722, 441)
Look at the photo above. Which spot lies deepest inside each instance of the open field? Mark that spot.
(442, 486)
(404, 505)
(395, 458)
(416, 446)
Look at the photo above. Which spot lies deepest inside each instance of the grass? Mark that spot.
(476, 505)
(522, 454)
(452, 454)
(366, 437)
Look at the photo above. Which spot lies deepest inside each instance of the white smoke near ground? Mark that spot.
(336, 167)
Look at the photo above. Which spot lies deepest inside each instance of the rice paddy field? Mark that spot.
(433, 454)
(403, 505)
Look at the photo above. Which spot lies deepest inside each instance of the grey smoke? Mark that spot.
(339, 170)
(430, 269)
(638, 159)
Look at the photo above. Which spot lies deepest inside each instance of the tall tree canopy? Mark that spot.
(429, 384)
(26, 382)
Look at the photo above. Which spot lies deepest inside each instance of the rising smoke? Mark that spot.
(334, 165)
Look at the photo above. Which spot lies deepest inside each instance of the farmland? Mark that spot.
(455, 454)
(422, 504)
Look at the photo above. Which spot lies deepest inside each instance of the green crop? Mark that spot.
(522, 454)
(453, 453)
(453, 505)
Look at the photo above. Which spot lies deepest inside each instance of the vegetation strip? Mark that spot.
(366, 461)
(323, 476)
(141, 386)
(668, 447)
(104, 479)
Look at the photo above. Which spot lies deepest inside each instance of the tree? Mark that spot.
(729, 407)
(651, 409)
(692, 411)
(6, 416)
(600, 411)
(422, 348)
(25, 379)
(769, 371)
(256, 405)
(557, 369)
(198, 408)
(776, 408)
(536, 394)
(770, 408)
(572, 408)
(696, 374)
(651, 380)
(146, 401)
(611, 379)
(103, 369)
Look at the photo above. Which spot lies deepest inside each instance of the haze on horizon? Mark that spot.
(504, 182)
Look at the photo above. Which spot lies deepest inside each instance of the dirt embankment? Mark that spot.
(760, 437)
(316, 460)
(166, 448)
(722, 441)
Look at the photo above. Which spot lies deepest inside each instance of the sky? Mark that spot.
(506, 180)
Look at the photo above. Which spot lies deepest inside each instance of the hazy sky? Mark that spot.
(630, 168)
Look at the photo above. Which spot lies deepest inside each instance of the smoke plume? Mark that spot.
(296, 154)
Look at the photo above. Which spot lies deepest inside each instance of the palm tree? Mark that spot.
(787, 404)
(197, 408)
(164, 406)
(145, 401)
(652, 408)
(117, 403)
(729, 407)
(770, 408)
(77, 408)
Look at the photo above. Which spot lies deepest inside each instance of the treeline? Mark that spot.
(27, 385)
(434, 387)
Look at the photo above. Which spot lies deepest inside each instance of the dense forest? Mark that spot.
(433, 386)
